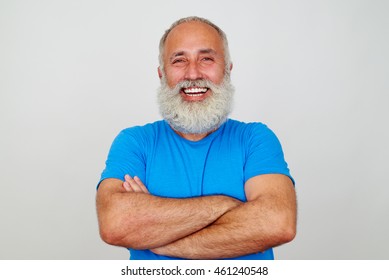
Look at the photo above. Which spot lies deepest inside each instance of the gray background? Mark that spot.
(74, 73)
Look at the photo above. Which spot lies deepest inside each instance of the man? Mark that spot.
(196, 185)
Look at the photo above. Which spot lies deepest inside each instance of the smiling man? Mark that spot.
(196, 185)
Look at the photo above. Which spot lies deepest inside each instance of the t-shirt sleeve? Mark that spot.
(264, 154)
(125, 156)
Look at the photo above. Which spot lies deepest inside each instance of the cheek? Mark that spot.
(216, 77)
(173, 77)
(215, 73)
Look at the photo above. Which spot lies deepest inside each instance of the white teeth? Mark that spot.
(194, 94)
(195, 91)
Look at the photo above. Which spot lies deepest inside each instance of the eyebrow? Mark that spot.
(207, 51)
(201, 51)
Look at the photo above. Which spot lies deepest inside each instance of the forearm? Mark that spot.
(243, 230)
(144, 221)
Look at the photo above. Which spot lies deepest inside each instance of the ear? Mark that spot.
(159, 72)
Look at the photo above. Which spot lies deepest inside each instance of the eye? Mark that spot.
(207, 60)
(178, 61)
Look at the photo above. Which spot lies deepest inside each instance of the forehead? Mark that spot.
(191, 36)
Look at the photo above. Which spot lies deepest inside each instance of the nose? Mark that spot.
(193, 71)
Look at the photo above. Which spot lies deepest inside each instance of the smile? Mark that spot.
(195, 91)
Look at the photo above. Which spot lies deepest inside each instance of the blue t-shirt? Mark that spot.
(171, 166)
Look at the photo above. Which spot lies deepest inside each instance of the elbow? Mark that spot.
(280, 236)
(283, 230)
(288, 234)
(109, 235)
(113, 235)
(111, 232)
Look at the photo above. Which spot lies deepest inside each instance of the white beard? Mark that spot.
(196, 117)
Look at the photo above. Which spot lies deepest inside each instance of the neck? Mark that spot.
(193, 136)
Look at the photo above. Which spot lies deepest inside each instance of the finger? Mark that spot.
(141, 185)
(126, 183)
(127, 186)
(133, 184)
(127, 178)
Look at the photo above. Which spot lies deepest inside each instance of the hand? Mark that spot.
(158, 251)
(134, 184)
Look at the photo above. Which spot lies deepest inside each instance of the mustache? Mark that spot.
(194, 83)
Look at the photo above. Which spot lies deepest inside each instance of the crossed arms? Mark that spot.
(209, 227)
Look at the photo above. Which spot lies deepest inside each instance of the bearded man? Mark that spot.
(196, 185)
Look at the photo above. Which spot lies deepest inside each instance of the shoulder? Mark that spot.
(140, 131)
(248, 129)
(140, 135)
(252, 135)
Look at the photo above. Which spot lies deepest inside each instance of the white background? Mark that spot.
(74, 73)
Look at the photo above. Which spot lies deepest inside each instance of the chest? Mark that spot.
(179, 170)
